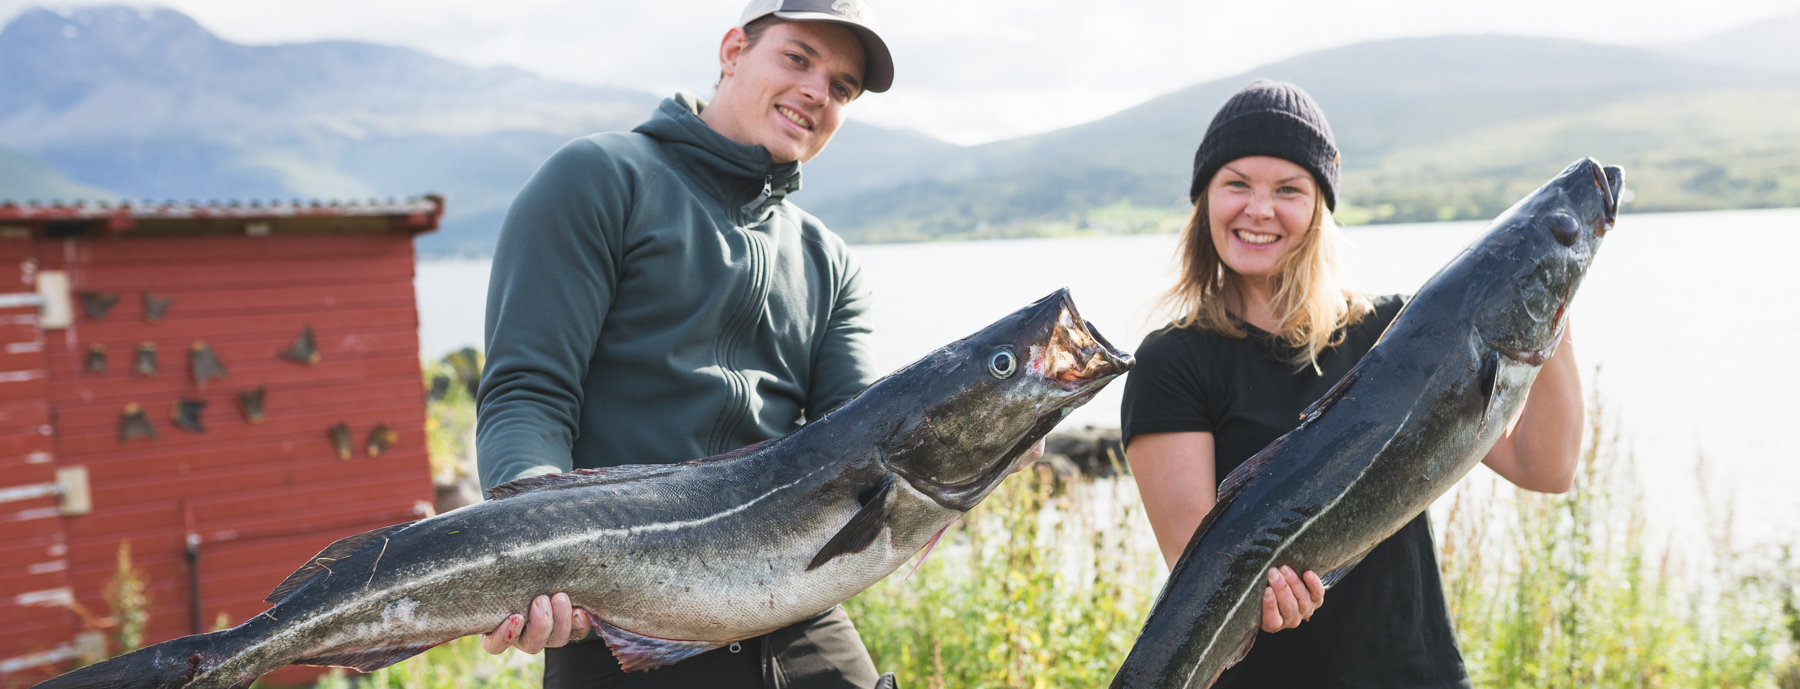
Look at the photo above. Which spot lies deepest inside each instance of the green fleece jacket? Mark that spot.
(655, 298)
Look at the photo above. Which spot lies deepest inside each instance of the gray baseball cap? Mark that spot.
(857, 15)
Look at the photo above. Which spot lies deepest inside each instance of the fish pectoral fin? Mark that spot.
(1488, 379)
(862, 529)
(1332, 577)
(638, 652)
(1243, 651)
(368, 659)
(338, 550)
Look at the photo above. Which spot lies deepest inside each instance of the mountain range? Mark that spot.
(116, 101)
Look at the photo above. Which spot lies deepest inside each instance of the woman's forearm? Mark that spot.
(1175, 480)
(1541, 448)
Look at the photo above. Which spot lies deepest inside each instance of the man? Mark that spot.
(656, 299)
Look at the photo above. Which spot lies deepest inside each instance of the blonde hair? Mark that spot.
(1312, 309)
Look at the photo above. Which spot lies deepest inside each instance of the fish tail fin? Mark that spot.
(169, 665)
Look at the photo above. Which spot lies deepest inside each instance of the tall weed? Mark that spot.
(1036, 587)
(1563, 590)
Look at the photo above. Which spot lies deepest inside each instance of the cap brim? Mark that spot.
(878, 63)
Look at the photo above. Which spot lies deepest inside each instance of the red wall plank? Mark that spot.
(264, 496)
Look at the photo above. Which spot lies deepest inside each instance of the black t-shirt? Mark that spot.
(1386, 624)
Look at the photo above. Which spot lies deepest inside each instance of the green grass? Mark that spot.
(1047, 585)
(460, 664)
(1563, 591)
(1034, 588)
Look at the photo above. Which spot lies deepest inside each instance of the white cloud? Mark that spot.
(966, 71)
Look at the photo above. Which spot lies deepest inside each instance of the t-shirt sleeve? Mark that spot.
(1166, 391)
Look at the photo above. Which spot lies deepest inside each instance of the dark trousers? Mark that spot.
(824, 652)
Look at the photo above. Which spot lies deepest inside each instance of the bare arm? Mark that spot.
(1541, 447)
(1176, 482)
(1175, 475)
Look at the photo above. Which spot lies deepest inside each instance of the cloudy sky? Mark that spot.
(967, 71)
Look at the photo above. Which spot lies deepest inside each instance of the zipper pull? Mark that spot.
(767, 191)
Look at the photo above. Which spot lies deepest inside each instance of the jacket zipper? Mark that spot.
(767, 191)
(745, 319)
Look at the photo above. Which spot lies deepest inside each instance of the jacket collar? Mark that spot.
(727, 168)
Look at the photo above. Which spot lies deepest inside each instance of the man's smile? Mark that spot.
(796, 117)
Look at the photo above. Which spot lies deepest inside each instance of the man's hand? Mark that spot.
(1287, 602)
(553, 622)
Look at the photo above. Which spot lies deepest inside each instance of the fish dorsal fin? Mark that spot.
(1236, 480)
(606, 475)
(862, 529)
(367, 659)
(1234, 483)
(578, 478)
(638, 652)
(1333, 395)
(338, 550)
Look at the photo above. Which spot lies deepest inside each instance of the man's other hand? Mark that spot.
(552, 622)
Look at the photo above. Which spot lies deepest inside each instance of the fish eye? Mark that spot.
(1564, 229)
(1002, 363)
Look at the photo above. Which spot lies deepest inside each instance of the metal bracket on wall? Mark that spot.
(134, 423)
(145, 365)
(304, 350)
(96, 358)
(381, 438)
(340, 440)
(96, 304)
(70, 488)
(250, 402)
(186, 414)
(204, 364)
(155, 306)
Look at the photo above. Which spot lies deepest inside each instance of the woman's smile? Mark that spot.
(1254, 238)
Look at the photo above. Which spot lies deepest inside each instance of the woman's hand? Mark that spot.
(553, 622)
(1288, 602)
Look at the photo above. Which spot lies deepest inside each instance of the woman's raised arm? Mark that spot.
(1541, 447)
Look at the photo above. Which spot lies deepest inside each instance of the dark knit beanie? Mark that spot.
(1269, 118)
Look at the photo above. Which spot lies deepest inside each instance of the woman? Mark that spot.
(1262, 330)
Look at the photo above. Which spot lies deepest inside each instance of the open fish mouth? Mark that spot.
(1076, 356)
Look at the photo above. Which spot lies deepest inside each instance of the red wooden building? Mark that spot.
(229, 388)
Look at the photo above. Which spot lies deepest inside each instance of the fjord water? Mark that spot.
(1691, 317)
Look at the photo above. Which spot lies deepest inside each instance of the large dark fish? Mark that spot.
(1419, 411)
(674, 560)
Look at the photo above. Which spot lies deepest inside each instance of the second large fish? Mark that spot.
(673, 560)
(1418, 412)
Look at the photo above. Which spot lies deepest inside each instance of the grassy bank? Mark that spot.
(1046, 585)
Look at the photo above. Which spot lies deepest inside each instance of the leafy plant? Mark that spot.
(125, 593)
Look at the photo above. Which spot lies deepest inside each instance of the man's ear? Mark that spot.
(731, 48)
